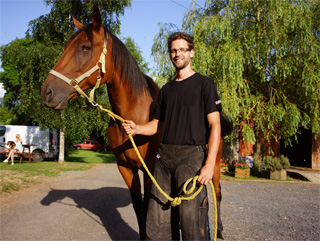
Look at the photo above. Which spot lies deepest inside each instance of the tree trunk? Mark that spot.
(258, 149)
(245, 148)
(61, 146)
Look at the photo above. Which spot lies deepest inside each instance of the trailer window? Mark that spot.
(2, 130)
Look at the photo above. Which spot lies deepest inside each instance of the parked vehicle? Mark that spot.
(44, 142)
(88, 145)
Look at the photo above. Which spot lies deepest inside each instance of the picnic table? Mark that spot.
(23, 154)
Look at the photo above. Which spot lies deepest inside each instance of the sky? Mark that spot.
(140, 21)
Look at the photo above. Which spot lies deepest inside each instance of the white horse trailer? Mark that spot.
(44, 142)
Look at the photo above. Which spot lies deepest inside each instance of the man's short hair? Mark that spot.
(181, 35)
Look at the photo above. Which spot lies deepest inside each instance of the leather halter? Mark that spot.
(75, 82)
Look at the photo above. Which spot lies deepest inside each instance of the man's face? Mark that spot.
(180, 54)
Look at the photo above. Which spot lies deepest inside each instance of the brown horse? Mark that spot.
(92, 50)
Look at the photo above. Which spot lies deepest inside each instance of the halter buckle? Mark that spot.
(73, 83)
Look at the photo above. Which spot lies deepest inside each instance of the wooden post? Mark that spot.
(315, 163)
(61, 146)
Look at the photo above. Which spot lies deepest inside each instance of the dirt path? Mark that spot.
(96, 205)
(91, 205)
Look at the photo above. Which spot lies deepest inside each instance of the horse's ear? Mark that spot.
(77, 23)
(96, 17)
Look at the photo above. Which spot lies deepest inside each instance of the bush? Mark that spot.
(275, 164)
(284, 162)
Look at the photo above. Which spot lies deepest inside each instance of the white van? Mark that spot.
(44, 142)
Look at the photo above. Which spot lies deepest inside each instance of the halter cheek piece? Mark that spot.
(75, 82)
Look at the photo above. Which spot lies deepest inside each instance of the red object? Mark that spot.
(88, 145)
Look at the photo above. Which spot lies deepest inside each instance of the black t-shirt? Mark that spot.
(183, 107)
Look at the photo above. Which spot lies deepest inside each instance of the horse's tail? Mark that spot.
(226, 124)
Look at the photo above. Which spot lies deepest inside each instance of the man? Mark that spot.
(188, 112)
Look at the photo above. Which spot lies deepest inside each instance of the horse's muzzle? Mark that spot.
(55, 96)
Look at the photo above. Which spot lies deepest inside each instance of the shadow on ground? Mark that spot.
(102, 202)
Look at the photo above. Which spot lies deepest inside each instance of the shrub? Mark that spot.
(284, 162)
(275, 164)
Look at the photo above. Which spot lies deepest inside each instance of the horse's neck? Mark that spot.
(126, 103)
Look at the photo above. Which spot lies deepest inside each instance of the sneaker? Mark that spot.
(5, 161)
(12, 163)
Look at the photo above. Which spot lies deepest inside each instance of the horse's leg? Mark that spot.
(131, 177)
(216, 184)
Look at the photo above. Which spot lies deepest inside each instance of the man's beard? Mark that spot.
(180, 65)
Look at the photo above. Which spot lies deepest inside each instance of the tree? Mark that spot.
(264, 57)
(136, 53)
(164, 70)
(6, 116)
(26, 63)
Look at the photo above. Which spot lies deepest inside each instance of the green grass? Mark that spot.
(12, 178)
(89, 156)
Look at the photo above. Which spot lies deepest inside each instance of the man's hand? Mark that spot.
(129, 127)
(206, 174)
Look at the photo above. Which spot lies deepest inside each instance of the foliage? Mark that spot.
(264, 58)
(136, 53)
(275, 164)
(26, 63)
(6, 116)
(165, 70)
(57, 26)
(284, 162)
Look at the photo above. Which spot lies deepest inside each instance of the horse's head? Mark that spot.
(81, 64)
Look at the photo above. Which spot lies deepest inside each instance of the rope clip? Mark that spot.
(93, 103)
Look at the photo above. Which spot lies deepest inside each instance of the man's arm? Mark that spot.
(147, 129)
(206, 172)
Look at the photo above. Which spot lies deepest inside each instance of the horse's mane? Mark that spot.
(130, 70)
(122, 58)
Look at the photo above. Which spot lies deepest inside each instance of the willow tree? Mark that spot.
(264, 57)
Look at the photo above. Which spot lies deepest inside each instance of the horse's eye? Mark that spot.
(85, 48)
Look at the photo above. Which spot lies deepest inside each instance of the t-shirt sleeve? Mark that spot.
(211, 98)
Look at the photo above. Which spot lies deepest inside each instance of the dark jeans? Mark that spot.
(173, 167)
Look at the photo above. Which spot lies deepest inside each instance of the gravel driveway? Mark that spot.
(270, 211)
(96, 205)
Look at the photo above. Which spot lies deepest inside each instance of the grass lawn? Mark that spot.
(13, 178)
(85, 156)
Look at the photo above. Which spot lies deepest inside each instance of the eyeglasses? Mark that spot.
(180, 50)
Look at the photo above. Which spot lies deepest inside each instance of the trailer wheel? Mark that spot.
(37, 156)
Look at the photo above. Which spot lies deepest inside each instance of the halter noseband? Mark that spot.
(75, 82)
